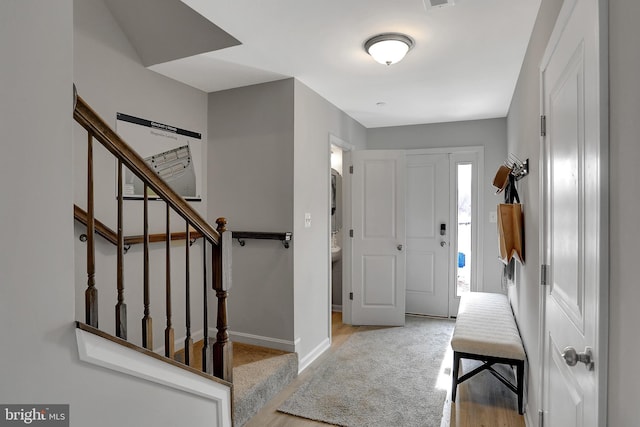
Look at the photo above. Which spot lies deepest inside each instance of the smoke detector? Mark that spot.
(437, 4)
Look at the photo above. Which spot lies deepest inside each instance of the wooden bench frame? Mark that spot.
(488, 362)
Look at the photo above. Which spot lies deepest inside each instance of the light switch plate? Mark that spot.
(493, 217)
(307, 220)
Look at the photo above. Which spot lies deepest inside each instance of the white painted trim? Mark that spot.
(336, 140)
(275, 343)
(347, 223)
(314, 354)
(337, 308)
(107, 354)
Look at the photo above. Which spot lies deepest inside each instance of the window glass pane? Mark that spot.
(464, 224)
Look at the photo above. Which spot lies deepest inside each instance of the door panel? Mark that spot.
(378, 209)
(567, 409)
(573, 202)
(428, 206)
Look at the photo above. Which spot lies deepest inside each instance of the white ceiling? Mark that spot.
(464, 65)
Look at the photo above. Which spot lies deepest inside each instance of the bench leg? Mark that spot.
(454, 375)
(520, 382)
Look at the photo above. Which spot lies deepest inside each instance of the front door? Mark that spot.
(378, 244)
(573, 245)
(428, 229)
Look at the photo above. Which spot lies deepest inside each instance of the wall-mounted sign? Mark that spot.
(174, 154)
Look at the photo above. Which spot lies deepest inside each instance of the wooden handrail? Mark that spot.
(95, 125)
(80, 215)
(112, 237)
(217, 359)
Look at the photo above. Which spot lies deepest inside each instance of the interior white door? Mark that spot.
(572, 215)
(428, 229)
(378, 244)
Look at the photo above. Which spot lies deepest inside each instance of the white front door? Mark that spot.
(572, 218)
(428, 229)
(378, 244)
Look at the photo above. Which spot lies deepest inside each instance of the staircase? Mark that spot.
(254, 374)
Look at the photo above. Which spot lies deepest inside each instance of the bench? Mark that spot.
(485, 330)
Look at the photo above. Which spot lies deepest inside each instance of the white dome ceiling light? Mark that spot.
(388, 48)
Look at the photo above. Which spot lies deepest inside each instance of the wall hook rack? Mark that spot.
(519, 169)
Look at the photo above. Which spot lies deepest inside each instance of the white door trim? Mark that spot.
(346, 224)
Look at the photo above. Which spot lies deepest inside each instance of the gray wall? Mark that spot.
(492, 135)
(37, 263)
(269, 165)
(250, 166)
(624, 69)
(523, 124)
(315, 119)
(111, 78)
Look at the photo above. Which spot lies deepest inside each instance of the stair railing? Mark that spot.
(216, 357)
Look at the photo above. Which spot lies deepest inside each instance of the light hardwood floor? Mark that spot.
(481, 401)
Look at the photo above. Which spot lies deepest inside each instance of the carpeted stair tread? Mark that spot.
(257, 377)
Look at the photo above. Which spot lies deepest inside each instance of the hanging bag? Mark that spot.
(510, 232)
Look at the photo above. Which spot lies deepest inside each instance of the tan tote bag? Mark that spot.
(511, 232)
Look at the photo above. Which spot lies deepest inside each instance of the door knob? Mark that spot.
(572, 357)
(399, 247)
(443, 243)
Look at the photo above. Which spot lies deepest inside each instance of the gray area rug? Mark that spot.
(383, 377)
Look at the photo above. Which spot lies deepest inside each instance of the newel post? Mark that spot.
(222, 348)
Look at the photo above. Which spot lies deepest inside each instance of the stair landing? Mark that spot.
(259, 374)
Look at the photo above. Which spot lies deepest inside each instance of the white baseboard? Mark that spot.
(314, 354)
(107, 354)
(337, 308)
(275, 343)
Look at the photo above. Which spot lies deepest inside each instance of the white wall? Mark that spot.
(40, 362)
(250, 166)
(492, 135)
(624, 69)
(110, 77)
(315, 119)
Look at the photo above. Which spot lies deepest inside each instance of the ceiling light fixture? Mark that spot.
(388, 48)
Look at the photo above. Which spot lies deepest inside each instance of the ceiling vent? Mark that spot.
(436, 4)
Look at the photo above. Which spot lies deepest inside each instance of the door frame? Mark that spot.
(602, 291)
(476, 157)
(477, 256)
(346, 224)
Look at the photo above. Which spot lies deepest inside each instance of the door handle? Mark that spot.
(443, 243)
(399, 247)
(572, 357)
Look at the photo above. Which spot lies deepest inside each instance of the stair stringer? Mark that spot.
(107, 354)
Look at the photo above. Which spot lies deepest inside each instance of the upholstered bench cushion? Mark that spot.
(485, 326)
